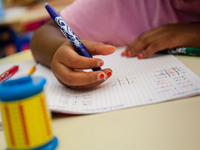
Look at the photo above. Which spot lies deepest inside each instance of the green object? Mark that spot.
(191, 51)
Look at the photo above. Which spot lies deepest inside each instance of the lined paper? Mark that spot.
(133, 83)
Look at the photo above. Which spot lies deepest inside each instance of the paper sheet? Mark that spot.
(133, 83)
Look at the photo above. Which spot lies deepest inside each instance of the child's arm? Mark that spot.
(164, 37)
(45, 42)
(51, 48)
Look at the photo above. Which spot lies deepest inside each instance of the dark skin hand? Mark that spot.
(67, 65)
(52, 49)
(164, 37)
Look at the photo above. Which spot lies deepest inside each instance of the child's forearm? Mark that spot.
(45, 42)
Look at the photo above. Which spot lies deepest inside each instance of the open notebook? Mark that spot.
(134, 82)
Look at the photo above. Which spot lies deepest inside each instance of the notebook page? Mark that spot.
(134, 82)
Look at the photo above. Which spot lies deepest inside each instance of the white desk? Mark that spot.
(172, 125)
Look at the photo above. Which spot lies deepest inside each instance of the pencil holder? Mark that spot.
(26, 119)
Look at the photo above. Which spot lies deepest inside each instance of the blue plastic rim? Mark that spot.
(49, 146)
(21, 88)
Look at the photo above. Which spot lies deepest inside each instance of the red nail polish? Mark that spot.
(100, 63)
(109, 74)
(123, 54)
(139, 56)
(101, 76)
(128, 54)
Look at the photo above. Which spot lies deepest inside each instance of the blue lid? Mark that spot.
(21, 88)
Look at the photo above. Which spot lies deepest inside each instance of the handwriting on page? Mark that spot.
(174, 80)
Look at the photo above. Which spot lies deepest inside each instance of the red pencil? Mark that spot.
(8, 73)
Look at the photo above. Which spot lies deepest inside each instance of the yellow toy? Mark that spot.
(26, 119)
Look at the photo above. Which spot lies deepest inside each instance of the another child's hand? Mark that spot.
(164, 37)
(67, 65)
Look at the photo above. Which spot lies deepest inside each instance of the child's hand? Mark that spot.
(164, 37)
(67, 65)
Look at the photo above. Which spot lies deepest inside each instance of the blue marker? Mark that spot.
(66, 30)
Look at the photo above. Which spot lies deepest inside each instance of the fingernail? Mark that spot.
(109, 74)
(139, 56)
(101, 76)
(128, 54)
(123, 54)
(100, 63)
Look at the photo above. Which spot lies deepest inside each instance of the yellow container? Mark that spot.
(26, 119)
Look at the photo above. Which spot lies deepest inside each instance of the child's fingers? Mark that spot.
(108, 72)
(136, 46)
(151, 49)
(143, 41)
(154, 47)
(139, 46)
(96, 48)
(89, 86)
(127, 52)
(73, 60)
(78, 78)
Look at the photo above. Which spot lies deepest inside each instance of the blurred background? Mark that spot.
(19, 19)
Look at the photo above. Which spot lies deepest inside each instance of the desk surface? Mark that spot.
(171, 125)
